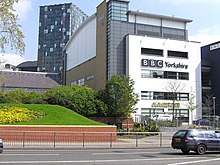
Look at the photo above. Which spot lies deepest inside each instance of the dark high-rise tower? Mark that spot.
(56, 24)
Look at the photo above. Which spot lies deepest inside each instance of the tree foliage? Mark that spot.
(207, 105)
(10, 33)
(119, 96)
(81, 99)
(191, 104)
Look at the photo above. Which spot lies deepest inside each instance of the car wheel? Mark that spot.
(185, 151)
(201, 149)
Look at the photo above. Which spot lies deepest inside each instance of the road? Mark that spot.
(157, 156)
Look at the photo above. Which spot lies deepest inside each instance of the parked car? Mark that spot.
(198, 141)
(165, 116)
(1, 145)
(203, 122)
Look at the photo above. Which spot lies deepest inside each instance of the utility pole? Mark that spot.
(214, 109)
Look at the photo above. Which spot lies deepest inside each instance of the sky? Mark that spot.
(205, 14)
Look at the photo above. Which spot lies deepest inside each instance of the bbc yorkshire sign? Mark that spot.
(160, 64)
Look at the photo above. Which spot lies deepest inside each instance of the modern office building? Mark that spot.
(56, 24)
(211, 78)
(152, 49)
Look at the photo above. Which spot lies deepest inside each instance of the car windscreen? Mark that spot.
(180, 133)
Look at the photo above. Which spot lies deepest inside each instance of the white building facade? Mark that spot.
(161, 67)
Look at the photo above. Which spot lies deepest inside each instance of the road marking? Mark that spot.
(125, 153)
(29, 154)
(196, 161)
(91, 161)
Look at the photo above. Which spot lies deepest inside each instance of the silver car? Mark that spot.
(1, 145)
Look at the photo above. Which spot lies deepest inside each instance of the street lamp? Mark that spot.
(214, 108)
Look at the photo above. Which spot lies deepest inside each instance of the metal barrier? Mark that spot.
(51, 139)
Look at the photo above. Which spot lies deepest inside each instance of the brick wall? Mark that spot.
(59, 133)
(120, 121)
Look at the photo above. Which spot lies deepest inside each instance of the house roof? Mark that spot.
(20, 79)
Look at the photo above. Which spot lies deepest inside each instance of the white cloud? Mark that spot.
(206, 36)
(12, 59)
(22, 8)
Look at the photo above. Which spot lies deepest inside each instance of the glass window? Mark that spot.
(171, 96)
(73, 83)
(183, 76)
(183, 96)
(151, 111)
(158, 96)
(45, 31)
(149, 51)
(210, 134)
(171, 75)
(145, 73)
(158, 74)
(81, 81)
(177, 54)
(180, 133)
(146, 95)
(68, 10)
(90, 77)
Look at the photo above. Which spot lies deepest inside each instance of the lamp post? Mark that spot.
(214, 108)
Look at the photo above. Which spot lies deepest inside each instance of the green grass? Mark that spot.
(54, 115)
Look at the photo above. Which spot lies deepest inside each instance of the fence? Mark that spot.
(52, 139)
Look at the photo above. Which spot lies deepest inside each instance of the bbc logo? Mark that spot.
(152, 63)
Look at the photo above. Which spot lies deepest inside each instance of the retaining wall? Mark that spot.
(58, 133)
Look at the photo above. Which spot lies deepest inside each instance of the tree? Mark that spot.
(191, 105)
(119, 96)
(207, 105)
(174, 87)
(10, 33)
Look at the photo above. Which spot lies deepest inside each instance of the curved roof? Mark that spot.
(27, 64)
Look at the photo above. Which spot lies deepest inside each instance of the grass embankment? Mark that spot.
(53, 115)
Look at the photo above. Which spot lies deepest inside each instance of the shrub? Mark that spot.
(81, 99)
(152, 127)
(18, 96)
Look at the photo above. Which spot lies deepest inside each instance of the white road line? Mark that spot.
(91, 161)
(125, 153)
(196, 161)
(29, 154)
